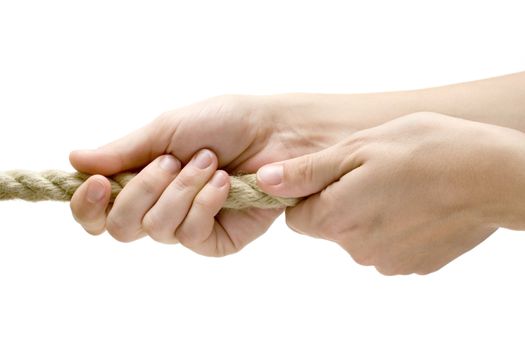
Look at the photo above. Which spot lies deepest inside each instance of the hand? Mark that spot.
(408, 196)
(170, 204)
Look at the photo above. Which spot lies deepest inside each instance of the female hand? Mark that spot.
(174, 199)
(410, 195)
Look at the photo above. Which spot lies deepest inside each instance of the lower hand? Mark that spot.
(410, 195)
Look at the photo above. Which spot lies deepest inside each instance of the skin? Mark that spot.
(243, 133)
(417, 191)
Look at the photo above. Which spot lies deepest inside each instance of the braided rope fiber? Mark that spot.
(59, 185)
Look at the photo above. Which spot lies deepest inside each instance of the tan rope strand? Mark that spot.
(60, 185)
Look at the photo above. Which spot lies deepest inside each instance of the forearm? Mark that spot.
(499, 101)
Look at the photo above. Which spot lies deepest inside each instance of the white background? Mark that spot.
(79, 74)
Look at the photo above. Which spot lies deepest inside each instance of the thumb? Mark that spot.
(306, 175)
(132, 151)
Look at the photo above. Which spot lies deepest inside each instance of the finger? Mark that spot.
(89, 203)
(308, 174)
(196, 229)
(132, 151)
(162, 220)
(138, 196)
(237, 228)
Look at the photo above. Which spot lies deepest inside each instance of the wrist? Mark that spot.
(351, 112)
(506, 185)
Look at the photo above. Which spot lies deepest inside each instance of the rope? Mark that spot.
(59, 186)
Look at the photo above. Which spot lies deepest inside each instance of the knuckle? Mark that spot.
(392, 268)
(84, 216)
(215, 254)
(194, 238)
(159, 237)
(384, 262)
(406, 270)
(203, 203)
(304, 170)
(94, 231)
(363, 258)
(122, 238)
(340, 230)
(147, 183)
(303, 221)
(333, 233)
(356, 141)
(329, 220)
(221, 250)
(332, 225)
(295, 222)
(386, 270)
(118, 229)
(149, 224)
(184, 182)
(426, 270)
(186, 238)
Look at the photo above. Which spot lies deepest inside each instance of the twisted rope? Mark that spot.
(59, 186)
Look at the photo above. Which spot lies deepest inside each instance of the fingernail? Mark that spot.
(203, 159)
(169, 163)
(95, 192)
(271, 174)
(219, 179)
